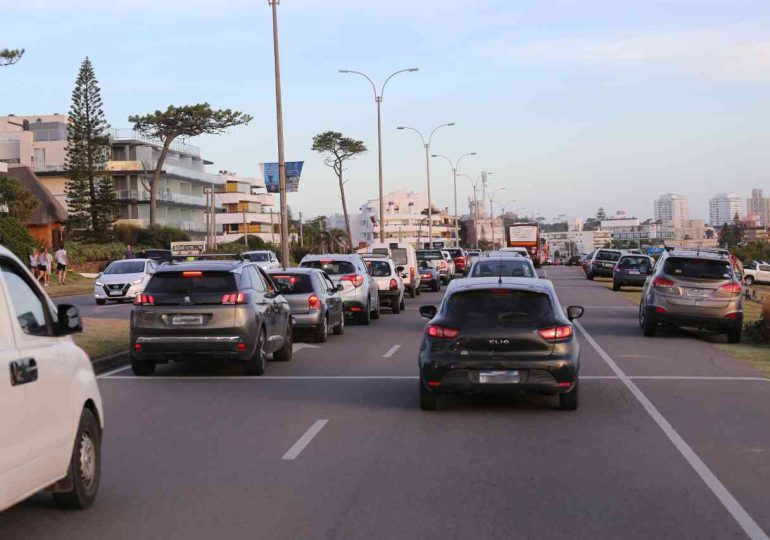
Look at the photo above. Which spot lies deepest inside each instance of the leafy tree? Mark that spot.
(15, 199)
(601, 215)
(90, 193)
(185, 121)
(731, 233)
(337, 149)
(16, 237)
(10, 56)
(591, 224)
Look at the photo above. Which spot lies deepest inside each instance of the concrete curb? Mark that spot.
(113, 361)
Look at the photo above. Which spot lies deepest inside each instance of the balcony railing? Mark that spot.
(132, 135)
(166, 197)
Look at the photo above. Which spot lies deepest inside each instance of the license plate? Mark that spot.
(634, 272)
(499, 377)
(695, 292)
(115, 293)
(183, 320)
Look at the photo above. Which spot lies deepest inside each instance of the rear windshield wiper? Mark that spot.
(513, 315)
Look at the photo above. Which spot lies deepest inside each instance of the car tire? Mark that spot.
(376, 312)
(734, 334)
(569, 400)
(322, 332)
(395, 307)
(436, 286)
(285, 353)
(418, 291)
(258, 361)
(340, 328)
(428, 401)
(100, 302)
(84, 470)
(616, 287)
(365, 316)
(749, 280)
(142, 368)
(589, 276)
(402, 305)
(648, 324)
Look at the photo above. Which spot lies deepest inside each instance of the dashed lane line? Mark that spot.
(409, 378)
(303, 441)
(391, 351)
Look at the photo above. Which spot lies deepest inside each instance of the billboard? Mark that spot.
(523, 234)
(272, 180)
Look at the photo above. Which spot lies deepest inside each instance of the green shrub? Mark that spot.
(255, 243)
(16, 237)
(83, 253)
(160, 236)
(127, 234)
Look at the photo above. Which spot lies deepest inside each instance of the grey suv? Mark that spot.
(226, 310)
(360, 294)
(693, 289)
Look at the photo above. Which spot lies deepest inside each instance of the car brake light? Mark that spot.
(144, 300)
(660, 310)
(556, 332)
(356, 279)
(442, 332)
(443, 264)
(662, 283)
(731, 288)
(426, 276)
(233, 298)
(411, 273)
(733, 315)
(313, 303)
(137, 347)
(393, 284)
(192, 274)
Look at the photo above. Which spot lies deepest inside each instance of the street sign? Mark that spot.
(272, 179)
(193, 247)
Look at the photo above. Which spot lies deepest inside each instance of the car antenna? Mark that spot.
(499, 269)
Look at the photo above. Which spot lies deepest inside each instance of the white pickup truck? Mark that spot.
(756, 272)
(51, 418)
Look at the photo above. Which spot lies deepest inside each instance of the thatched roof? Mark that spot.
(49, 210)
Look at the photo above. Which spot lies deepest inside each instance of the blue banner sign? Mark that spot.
(272, 180)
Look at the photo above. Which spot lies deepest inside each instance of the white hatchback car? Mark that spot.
(51, 418)
(265, 259)
(122, 280)
(388, 279)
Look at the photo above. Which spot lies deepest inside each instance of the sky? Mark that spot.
(571, 105)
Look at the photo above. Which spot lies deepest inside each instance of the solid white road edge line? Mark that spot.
(402, 377)
(111, 372)
(731, 504)
(303, 441)
(391, 351)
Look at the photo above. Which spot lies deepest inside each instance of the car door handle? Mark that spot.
(23, 371)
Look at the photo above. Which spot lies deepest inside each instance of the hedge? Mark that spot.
(15, 237)
(82, 253)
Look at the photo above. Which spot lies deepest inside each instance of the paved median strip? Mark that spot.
(303, 441)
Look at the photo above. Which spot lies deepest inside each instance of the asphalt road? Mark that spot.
(671, 441)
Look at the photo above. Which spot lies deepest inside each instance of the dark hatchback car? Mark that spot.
(316, 304)
(200, 310)
(499, 335)
(430, 278)
(632, 270)
(602, 264)
(157, 255)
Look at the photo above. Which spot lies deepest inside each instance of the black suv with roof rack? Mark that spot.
(210, 309)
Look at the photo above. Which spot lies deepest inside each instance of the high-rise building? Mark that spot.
(672, 210)
(723, 208)
(760, 206)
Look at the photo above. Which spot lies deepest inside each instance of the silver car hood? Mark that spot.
(109, 279)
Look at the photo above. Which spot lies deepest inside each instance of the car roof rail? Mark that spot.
(208, 256)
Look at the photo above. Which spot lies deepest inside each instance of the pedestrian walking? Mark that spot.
(46, 263)
(129, 252)
(61, 265)
(33, 262)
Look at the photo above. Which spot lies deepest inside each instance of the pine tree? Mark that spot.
(601, 215)
(90, 193)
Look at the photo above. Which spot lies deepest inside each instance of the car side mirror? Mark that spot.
(340, 287)
(69, 320)
(270, 295)
(428, 311)
(399, 269)
(575, 312)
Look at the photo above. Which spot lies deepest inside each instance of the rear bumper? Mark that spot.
(429, 282)
(164, 348)
(715, 323)
(307, 320)
(629, 280)
(601, 271)
(390, 297)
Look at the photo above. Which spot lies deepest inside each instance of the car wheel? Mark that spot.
(418, 291)
(100, 302)
(647, 323)
(376, 312)
(322, 332)
(284, 354)
(436, 286)
(142, 368)
(589, 276)
(734, 334)
(616, 286)
(256, 364)
(365, 316)
(428, 401)
(395, 307)
(412, 293)
(569, 401)
(340, 328)
(402, 305)
(749, 280)
(85, 466)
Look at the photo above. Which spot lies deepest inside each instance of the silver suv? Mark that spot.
(360, 294)
(694, 289)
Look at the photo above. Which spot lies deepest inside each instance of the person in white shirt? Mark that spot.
(61, 265)
(44, 263)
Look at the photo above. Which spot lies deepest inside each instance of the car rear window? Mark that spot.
(399, 256)
(499, 307)
(296, 283)
(504, 268)
(331, 267)
(634, 262)
(378, 268)
(613, 256)
(697, 268)
(455, 253)
(191, 283)
(430, 255)
(125, 267)
(258, 257)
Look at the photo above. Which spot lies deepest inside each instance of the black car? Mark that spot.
(602, 264)
(573, 260)
(157, 255)
(631, 270)
(499, 335)
(430, 278)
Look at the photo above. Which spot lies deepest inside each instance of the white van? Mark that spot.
(403, 255)
(52, 421)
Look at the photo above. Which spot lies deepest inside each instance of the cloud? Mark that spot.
(737, 53)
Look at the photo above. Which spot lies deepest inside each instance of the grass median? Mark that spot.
(75, 284)
(748, 350)
(103, 337)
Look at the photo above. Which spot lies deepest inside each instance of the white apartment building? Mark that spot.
(723, 208)
(404, 220)
(759, 206)
(39, 142)
(575, 242)
(248, 208)
(672, 210)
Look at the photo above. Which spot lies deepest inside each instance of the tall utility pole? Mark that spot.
(301, 234)
(281, 157)
(378, 101)
(426, 144)
(454, 166)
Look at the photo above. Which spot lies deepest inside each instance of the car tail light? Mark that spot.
(426, 276)
(411, 273)
(731, 288)
(442, 332)
(192, 274)
(313, 303)
(233, 298)
(556, 333)
(660, 310)
(137, 347)
(240, 346)
(443, 264)
(356, 279)
(733, 315)
(144, 300)
(393, 285)
(662, 283)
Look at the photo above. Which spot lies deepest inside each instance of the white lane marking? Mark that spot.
(391, 351)
(299, 346)
(697, 378)
(611, 307)
(402, 377)
(303, 441)
(111, 372)
(731, 504)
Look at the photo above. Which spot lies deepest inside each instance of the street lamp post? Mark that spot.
(427, 170)
(455, 166)
(492, 213)
(475, 209)
(378, 101)
(281, 158)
